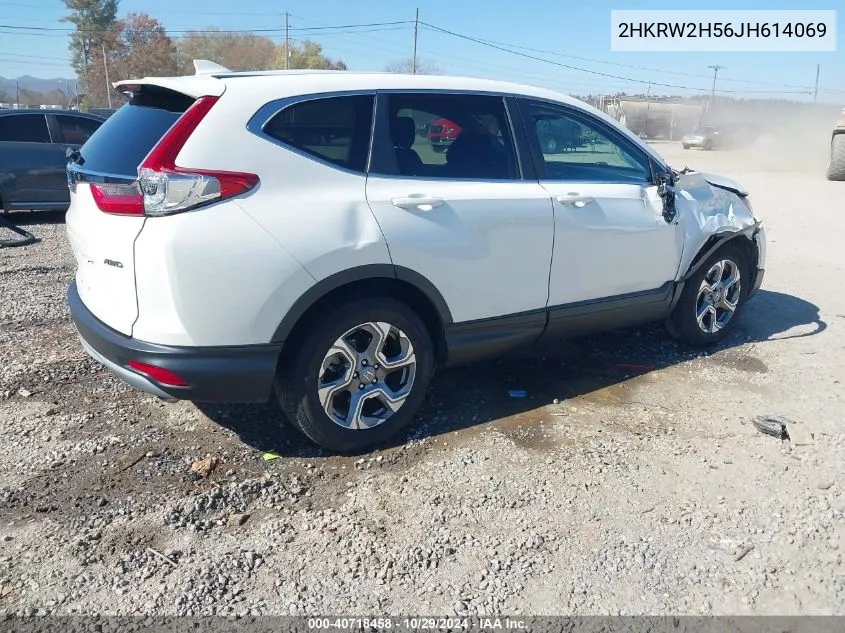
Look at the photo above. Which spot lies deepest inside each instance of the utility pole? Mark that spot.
(85, 52)
(647, 107)
(287, 40)
(816, 91)
(106, 69)
(17, 93)
(416, 31)
(716, 70)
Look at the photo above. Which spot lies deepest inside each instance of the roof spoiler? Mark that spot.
(205, 67)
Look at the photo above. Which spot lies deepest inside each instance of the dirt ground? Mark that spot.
(630, 480)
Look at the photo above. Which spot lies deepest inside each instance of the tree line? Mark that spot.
(105, 48)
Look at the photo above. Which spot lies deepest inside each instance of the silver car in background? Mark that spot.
(705, 137)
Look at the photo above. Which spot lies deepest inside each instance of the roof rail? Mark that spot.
(205, 67)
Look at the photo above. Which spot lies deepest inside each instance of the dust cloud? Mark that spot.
(778, 136)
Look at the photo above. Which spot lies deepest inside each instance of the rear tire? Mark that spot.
(836, 169)
(710, 304)
(376, 342)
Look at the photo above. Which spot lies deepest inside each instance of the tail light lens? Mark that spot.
(162, 188)
(119, 199)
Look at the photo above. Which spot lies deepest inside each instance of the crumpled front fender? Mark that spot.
(713, 206)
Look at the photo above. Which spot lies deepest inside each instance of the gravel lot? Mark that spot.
(629, 481)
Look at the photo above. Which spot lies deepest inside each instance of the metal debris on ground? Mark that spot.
(773, 425)
(204, 467)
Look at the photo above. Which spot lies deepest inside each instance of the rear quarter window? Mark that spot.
(126, 137)
(334, 129)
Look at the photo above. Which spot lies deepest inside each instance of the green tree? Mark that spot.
(92, 19)
(308, 54)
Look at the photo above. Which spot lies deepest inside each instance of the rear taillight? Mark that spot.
(119, 199)
(163, 188)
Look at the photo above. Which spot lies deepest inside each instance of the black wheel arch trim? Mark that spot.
(352, 275)
(702, 256)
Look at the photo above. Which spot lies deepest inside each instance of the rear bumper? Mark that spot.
(213, 374)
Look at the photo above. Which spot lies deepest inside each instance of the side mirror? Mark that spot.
(666, 191)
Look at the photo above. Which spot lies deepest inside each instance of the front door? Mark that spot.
(610, 235)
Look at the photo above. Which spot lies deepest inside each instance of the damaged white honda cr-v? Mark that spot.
(333, 237)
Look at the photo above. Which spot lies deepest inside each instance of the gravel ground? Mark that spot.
(629, 481)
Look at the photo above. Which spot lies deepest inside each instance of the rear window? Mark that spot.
(125, 139)
(27, 128)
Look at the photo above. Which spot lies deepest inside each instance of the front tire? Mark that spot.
(836, 169)
(359, 376)
(712, 299)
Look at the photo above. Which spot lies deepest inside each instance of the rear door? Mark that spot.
(466, 218)
(103, 243)
(30, 163)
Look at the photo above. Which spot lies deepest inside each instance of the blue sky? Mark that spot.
(559, 29)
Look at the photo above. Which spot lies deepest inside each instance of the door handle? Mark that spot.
(420, 203)
(574, 199)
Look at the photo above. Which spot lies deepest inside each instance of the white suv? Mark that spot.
(240, 234)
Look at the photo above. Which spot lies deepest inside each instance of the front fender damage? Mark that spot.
(710, 210)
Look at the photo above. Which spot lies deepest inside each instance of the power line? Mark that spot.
(662, 71)
(38, 29)
(586, 70)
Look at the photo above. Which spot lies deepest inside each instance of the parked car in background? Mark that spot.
(442, 133)
(33, 156)
(261, 235)
(102, 112)
(705, 137)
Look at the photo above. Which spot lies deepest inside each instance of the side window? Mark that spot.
(575, 147)
(75, 130)
(334, 129)
(446, 136)
(28, 128)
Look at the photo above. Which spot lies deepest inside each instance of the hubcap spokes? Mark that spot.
(366, 375)
(718, 296)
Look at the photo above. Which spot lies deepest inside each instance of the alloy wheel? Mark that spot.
(718, 296)
(366, 375)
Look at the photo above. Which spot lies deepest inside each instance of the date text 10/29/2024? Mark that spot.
(417, 624)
